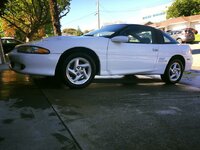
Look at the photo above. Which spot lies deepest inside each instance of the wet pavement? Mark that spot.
(27, 120)
(138, 112)
(135, 113)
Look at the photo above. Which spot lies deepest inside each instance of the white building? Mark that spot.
(157, 16)
(154, 14)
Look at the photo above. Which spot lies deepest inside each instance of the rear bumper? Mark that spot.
(188, 63)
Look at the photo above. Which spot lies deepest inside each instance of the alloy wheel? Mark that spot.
(78, 70)
(175, 71)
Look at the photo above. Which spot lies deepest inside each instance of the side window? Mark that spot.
(11, 41)
(168, 39)
(138, 34)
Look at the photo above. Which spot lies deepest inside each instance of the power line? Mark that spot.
(81, 18)
(125, 11)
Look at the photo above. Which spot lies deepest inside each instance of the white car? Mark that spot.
(120, 49)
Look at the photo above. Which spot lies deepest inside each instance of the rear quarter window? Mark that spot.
(167, 39)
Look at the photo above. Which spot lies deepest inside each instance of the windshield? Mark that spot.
(106, 31)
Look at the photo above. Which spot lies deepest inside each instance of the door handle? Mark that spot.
(155, 50)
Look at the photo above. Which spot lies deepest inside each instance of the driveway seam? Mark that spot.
(66, 127)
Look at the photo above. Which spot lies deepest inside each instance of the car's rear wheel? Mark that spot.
(173, 72)
(78, 70)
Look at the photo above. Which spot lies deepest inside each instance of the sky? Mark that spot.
(82, 13)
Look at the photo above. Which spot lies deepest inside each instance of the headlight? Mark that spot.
(32, 50)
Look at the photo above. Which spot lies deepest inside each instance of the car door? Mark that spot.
(138, 55)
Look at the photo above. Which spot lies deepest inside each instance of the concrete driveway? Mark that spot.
(135, 113)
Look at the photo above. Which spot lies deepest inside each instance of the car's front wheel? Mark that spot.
(173, 72)
(78, 70)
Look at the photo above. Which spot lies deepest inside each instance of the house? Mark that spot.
(179, 23)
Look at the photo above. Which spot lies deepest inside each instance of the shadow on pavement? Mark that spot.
(27, 120)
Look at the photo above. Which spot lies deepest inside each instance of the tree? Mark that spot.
(56, 10)
(79, 32)
(8, 30)
(3, 6)
(70, 31)
(183, 8)
(2, 9)
(55, 17)
(29, 17)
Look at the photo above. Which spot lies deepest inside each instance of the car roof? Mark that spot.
(129, 24)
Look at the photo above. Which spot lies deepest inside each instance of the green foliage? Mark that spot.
(1, 29)
(69, 31)
(184, 8)
(197, 37)
(3, 6)
(74, 32)
(29, 17)
(49, 30)
(79, 32)
(63, 7)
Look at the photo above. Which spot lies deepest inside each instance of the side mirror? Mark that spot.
(120, 39)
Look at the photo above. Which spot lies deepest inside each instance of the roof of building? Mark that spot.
(176, 21)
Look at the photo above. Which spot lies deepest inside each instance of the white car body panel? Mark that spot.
(136, 58)
(57, 46)
(35, 64)
(63, 43)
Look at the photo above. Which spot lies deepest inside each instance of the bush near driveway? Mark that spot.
(197, 38)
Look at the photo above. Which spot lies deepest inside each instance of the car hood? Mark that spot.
(58, 44)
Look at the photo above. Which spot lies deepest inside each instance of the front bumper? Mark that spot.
(35, 64)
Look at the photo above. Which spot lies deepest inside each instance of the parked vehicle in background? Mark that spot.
(182, 36)
(193, 30)
(9, 43)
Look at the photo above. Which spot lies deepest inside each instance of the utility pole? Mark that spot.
(98, 14)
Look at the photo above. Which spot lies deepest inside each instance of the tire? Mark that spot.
(77, 70)
(173, 72)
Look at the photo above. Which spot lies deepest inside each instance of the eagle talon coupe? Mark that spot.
(119, 49)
